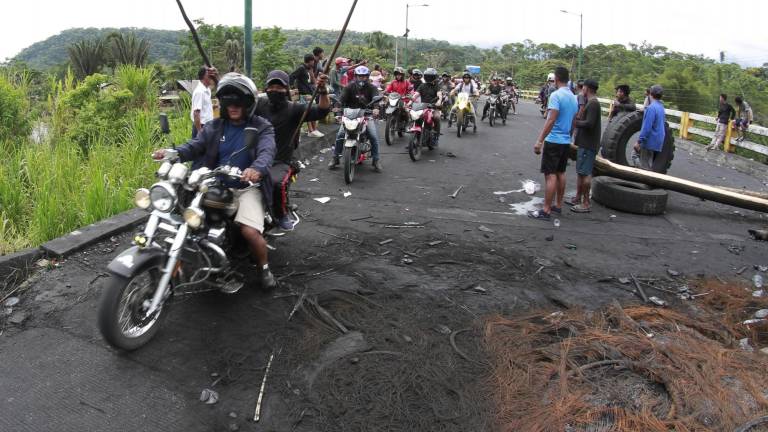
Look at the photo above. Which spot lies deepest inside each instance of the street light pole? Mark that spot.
(581, 38)
(405, 49)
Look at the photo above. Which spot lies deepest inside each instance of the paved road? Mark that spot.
(401, 373)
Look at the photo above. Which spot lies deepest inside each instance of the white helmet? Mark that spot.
(551, 76)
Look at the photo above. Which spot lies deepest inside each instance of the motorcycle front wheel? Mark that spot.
(121, 317)
(389, 134)
(414, 147)
(460, 124)
(491, 116)
(350, 161)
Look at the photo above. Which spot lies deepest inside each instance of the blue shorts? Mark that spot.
(585, 161)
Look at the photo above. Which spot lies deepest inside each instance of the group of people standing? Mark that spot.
(576, 118)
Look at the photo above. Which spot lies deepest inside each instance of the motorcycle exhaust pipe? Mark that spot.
(220, 253)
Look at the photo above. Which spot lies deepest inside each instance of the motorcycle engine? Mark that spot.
(219, 203)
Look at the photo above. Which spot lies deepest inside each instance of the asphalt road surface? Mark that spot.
(405, 303)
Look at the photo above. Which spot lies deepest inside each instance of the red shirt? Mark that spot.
(403, 87)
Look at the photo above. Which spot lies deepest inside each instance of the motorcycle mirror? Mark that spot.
(164, 128)
(251, 135)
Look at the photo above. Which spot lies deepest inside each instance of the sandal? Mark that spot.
(538, 214)
(571, 201)
(579, 208)
(557, 210)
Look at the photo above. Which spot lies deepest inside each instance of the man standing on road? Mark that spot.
(554, 143)
(588, 142)
(285, 117)
(651, 140)
(725, 113)
(744, 118)
(623, 103)
(202, 107)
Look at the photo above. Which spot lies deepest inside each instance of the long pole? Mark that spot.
(248, 31)
(194, 35)
(581, 47)
(325, 71)
(405, 50)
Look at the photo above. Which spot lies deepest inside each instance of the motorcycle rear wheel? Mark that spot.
(350, 161)
(414, 147)
(120, 317)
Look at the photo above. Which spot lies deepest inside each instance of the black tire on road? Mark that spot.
(414, 147)
(390, 130)
(350, 160)
(616, 138)
(628, 196)
(459, 124)
(110, 310)
(491, 116)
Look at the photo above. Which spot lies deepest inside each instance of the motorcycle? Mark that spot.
(445, 108)
(356, 141)
(422, 129)
(189, 241)
(493, 109)
(505, 101)
(464, 113)
(395, 113)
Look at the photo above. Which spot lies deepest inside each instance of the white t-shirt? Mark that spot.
(470, 88)
(201, 100)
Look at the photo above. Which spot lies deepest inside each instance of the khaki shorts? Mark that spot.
(250, 209)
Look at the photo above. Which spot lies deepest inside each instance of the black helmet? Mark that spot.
(236, 89)
(430, 75)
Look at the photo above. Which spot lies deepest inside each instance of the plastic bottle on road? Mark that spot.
(757, 280)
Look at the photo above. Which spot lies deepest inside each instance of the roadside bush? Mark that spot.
(14, 111)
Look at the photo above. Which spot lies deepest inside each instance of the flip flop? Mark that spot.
(580, 209)
(538, 214)
(557, 210)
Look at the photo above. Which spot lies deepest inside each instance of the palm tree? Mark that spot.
(382, 43)
(87, 57)
(128, 49)
(233, 52)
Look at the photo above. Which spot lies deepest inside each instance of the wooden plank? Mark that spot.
(701, 132)
(755, 147)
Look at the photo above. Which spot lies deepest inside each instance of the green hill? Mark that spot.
(164, 45)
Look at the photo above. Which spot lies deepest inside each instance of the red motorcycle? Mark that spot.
(422, 129)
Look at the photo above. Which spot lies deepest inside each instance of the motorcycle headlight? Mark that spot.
(415, 115)
(351, 124)
(163, 197)
(194, 217)
(178, 173)
(164, 169)
(141, 198)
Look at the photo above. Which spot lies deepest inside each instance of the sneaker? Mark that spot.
(334, 162)
(377, 166)
(286, 223)
(268, 280)
(316, 134)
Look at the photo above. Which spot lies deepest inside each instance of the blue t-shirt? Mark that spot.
(233, 140)
(565, 103)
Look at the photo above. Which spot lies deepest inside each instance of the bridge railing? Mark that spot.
(686, 125)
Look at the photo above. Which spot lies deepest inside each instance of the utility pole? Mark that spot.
(248, 32)
(405, 50)
(581, 39)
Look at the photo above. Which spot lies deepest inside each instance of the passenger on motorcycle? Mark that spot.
(509, 87)
(219, 143)
(285, 117)
(430, 93)
(494, 89)
(416, 80)
(359, 95)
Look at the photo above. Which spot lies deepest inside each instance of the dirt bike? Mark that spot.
(356, 142)
(190, 241)
(395, 113)
(494, 109)
(422, 129)
(464, 113)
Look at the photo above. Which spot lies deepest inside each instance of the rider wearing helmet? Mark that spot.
(399, 84)
(222, 142)
(509, 87)
(467, 85)
(429, 92)
(285, 117)
(359, 94)
(494, 89)
(548, 89)
(416, 80)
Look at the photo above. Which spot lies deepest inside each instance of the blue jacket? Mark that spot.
(652, 132)
(205, 147)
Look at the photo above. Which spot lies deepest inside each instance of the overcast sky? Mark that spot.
(689, 26)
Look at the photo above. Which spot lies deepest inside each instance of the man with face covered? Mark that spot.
(285, 117)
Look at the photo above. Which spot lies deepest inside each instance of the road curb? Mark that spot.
(86, 236)
(15, 267)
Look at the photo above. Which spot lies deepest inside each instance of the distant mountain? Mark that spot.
(164, 45)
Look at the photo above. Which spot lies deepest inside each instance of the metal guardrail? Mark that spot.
(686, 126)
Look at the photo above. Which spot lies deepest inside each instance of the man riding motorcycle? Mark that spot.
(495, 89)
(467, 85)
(285, 117)
(430, 93)
(401, 86)
(221, 142)
(509, 87)
(547, 89)
(359, 95)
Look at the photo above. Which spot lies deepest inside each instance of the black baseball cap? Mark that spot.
(591, 84)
